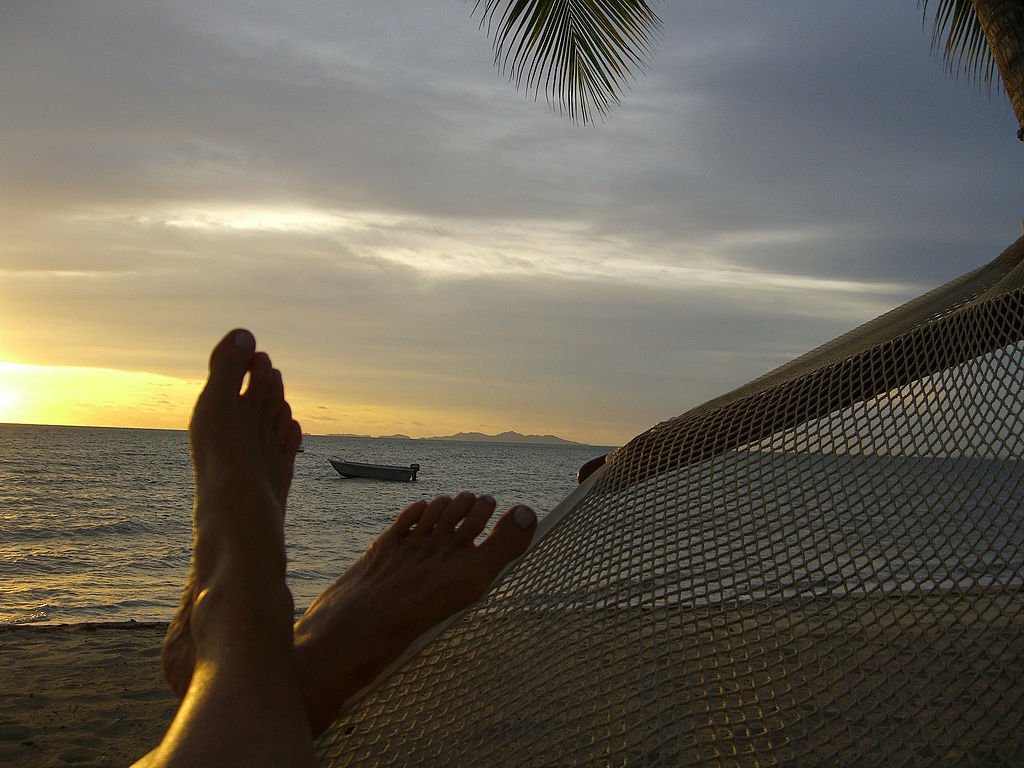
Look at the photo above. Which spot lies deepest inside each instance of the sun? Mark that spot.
(101, 397)
(8, 403)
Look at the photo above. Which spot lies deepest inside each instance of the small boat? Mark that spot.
(374, 471)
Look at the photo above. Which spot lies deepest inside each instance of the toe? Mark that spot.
(230, 360)
(509, 539)
(281, 424)
(276, 390)
(261, 378)
(454, 512)
(431, 514)
(292, 437)
(477, 517)
(407, 518)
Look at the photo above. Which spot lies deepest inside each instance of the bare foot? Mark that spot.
(243, 705)
(423, 569)
(274, 463)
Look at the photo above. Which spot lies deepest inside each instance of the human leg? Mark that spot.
(276, 466)
(423, 569)
(426, 567)
(242, 705)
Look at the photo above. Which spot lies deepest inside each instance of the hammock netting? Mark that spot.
(822, 568)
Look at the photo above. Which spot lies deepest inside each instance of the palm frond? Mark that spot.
(957, 31)
(581, 53)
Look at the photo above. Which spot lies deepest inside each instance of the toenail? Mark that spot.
(488, 499)
(245, 339)
(524, 517)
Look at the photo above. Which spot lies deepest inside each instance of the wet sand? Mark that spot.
(916, 680)
(81, 694)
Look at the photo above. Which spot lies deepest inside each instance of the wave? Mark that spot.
(13, 531)
(36, 616)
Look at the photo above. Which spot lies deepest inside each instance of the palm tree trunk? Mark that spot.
(1003, 22)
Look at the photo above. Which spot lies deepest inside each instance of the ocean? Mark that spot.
(95, 523)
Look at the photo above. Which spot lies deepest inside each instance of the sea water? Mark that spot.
(95, 523)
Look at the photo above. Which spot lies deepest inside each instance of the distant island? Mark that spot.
(480, 437)
(507, 437)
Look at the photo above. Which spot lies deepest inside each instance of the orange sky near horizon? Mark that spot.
(425, 251)
(101, 397)
(75, 396)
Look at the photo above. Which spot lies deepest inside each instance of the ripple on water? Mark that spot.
(95, 523)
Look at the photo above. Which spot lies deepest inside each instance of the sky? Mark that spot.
(424, 250)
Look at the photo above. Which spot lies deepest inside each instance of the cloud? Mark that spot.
(404, 231)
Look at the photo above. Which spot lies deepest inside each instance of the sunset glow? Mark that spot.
(8, 400)
(48, 394)
(424, 251)
(38, 394)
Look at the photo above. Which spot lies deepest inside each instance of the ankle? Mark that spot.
(223, 609)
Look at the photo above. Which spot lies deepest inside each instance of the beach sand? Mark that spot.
(911, 680)
(81, 694)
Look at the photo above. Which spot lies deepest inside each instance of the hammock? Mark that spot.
(823, 567)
